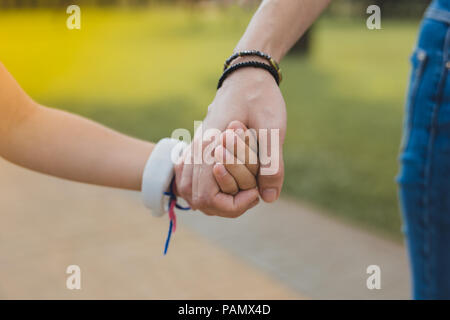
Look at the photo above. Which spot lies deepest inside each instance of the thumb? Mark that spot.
(270, 182)
(271, 172)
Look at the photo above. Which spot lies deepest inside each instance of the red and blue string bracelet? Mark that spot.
(171, 212)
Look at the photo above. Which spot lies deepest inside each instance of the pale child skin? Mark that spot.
(66, 145)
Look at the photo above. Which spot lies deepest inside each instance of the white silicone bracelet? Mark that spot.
(158, 173)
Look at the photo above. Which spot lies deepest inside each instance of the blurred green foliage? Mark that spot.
(148, 72)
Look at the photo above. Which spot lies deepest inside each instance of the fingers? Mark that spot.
(225, 181)
(234, 156)
(270, 185)
(201, 185)
(236, 145)
(234, 125)
(244, 146)
(271, 172)
(241, 174)
(204, 185)
(235, 206)
(249, 136)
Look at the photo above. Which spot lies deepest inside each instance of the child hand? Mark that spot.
(237, 159)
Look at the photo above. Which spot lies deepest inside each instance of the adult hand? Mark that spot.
(251, 96)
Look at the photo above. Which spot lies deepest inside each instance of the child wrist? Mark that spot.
(159, 172)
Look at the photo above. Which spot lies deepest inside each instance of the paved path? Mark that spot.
(281, 251)
(310, 252)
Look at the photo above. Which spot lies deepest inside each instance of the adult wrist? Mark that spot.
(255, 59)
(249, 64)
(248, 78)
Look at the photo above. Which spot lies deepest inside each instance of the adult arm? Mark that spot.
(278, 24)
(252, 97)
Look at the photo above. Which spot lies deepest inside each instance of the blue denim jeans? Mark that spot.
(424, 178)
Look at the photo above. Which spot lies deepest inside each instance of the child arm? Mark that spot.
(65, 145)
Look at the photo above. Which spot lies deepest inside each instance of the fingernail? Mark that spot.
(270, 195)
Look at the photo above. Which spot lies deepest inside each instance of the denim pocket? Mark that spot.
(418, 62)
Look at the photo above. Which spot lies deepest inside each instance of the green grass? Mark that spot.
(148, 72)
(345, 108)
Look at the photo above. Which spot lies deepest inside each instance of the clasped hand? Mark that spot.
(249, 98)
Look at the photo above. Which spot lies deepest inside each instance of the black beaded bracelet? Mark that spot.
(254, 64)
(257, 53)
